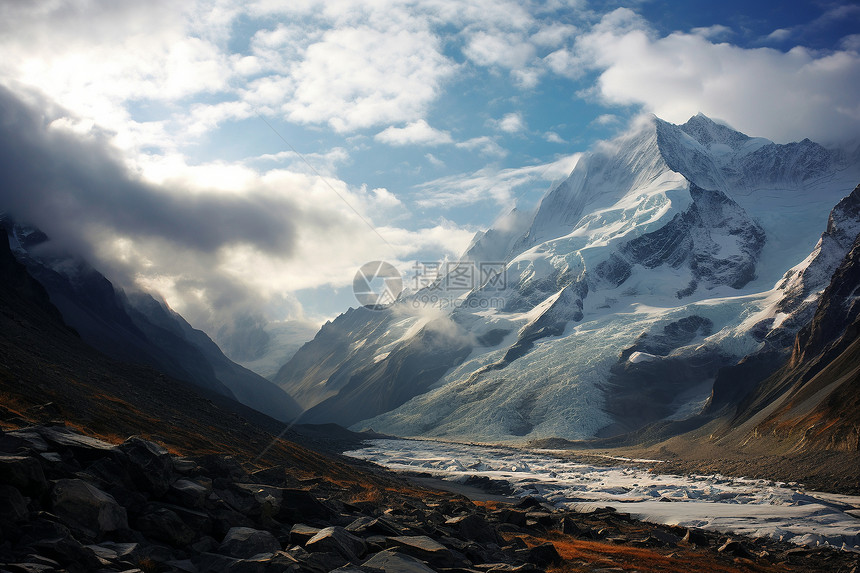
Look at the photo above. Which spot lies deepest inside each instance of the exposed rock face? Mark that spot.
(801, 283)
(800, 291)
(652, 379)
(698, 238)
(813, 401)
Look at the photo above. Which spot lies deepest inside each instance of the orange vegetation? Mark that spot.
(583, 555)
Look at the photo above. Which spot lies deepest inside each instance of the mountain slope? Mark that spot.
(813, 401)
(675, 235)
(48, 374)
(139, 329)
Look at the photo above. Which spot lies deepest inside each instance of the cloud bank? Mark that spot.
(784, 96)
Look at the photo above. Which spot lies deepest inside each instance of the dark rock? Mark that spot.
(198, 520)
(282, 561)
(374, 526)
(181, 565)
(474, 528)
(541, 518)
(24, 473)
(696, 537)
(157, 553)
(84, 447)
(508, 568)
(298, 505)
(349, 568)
(87, 508)
(205, 544)
(244, 542)
(165, 525)
(126, 551)
(317, 562)
(338, 540)
(570, 527)
(188, 493)
(226, 467)
(27, 567)
(394, 562)
(275, 476)
(736, 548)
(513, 516)
(301, 533)
(13, 506)
(149, 464)
(541, 555)
(214, 563)
(426, 549)
(184, 466)
(267, 498)
(528, 502)
(661, 538)
(48, 538)
(243, 501)
(225, 517)
(509, 528)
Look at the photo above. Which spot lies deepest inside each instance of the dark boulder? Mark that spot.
(86, 508)
(338, 540)
(245, 542)
(149, 465)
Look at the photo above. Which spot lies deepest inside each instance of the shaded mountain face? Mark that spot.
(47, 373)
(139, 329)
(812, 402)
(794, 303)
(670, 233)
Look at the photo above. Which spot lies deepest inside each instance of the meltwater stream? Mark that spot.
(744, 506)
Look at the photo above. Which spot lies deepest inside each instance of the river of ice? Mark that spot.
(751, 507)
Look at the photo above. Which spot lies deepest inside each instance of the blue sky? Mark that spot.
(427, 118)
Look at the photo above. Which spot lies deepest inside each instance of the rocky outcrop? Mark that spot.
(714, 238)
(86, 508)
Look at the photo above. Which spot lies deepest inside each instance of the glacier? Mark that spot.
(752, 507)
(667, 254)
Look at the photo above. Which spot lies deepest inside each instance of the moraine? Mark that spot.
(751, 507)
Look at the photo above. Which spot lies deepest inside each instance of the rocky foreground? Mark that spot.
(69, 502)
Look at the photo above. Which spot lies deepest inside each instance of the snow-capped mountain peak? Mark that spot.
(670, 234)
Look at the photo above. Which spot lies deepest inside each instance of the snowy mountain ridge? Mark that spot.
(655, 263)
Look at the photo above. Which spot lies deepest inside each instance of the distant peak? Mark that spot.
(707, 131)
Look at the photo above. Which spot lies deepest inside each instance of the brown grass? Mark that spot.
(583, 555)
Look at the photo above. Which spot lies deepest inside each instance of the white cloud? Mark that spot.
(715, 32)
(782, 96)
(606, 119)
(494, 185)
(779, 35)
(484, 145)
(434, 161)
(553, 137)
(362, 77)
(565, 62)
(527, 78)
(415, 133)
(851, 42)
(554, 34)
(510, 123)
(506, 50)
